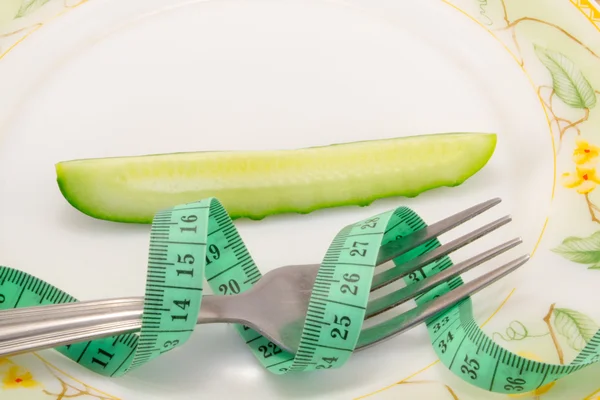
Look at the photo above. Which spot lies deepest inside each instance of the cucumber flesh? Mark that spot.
(255, 184)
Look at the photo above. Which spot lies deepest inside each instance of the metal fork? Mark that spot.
(279, 299)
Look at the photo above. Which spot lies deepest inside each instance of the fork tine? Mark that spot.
(398, 247)
(393, 274)
(384, 303)
(413, 317)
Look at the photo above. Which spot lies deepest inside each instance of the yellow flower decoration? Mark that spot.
(584, 179)
(17, 377)
(585, 152)
(539, 391)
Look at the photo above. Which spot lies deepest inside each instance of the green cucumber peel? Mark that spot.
(256, 184)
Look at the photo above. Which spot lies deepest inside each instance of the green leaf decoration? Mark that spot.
(567, 80)
(582, 250)
(27, 6)
(576, 327)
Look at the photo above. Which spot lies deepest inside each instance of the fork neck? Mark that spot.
(232, 309)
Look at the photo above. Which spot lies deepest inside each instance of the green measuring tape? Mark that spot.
(197, 241)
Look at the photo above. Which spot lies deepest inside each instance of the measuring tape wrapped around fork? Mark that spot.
(197, 241)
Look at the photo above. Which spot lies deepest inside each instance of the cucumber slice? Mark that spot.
(255, 184)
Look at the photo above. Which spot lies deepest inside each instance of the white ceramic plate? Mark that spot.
(110, 78)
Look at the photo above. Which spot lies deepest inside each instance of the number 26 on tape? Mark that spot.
(348, 287)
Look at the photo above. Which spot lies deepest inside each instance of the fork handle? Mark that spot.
(48, 326)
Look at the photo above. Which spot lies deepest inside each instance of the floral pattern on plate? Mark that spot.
(33, 377)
